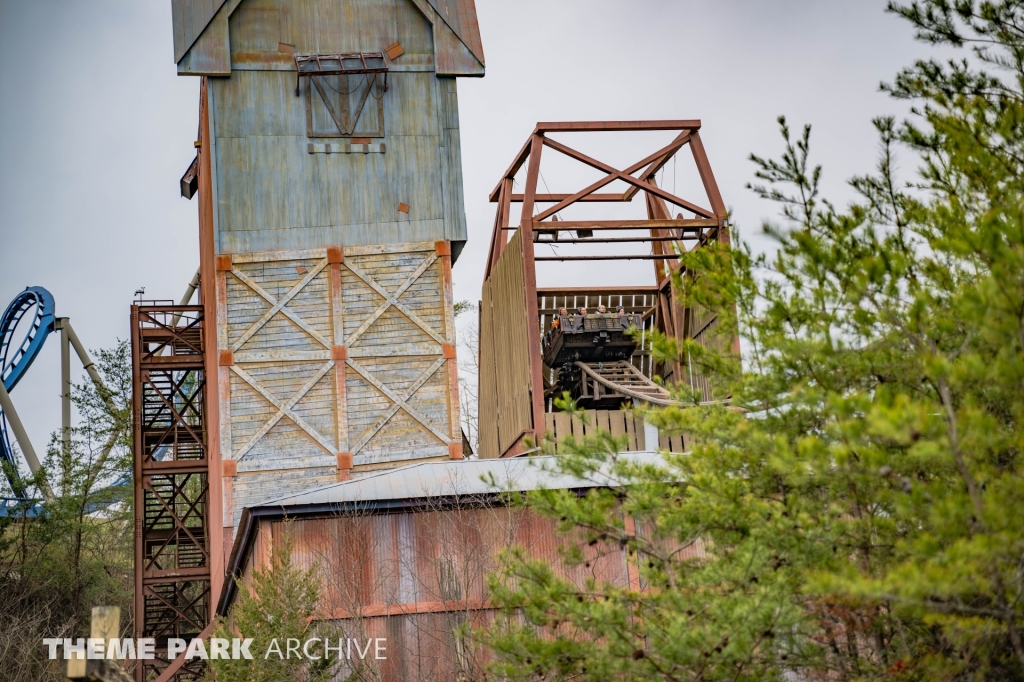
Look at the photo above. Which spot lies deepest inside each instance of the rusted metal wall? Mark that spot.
(504, 411)
(415, 577)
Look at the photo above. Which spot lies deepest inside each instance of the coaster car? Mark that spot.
(590, 338)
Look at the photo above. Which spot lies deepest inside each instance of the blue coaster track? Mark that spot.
(16, 358)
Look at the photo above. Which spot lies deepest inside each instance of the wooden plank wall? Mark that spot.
(559, 426)
(702, 326)
(273, 194)
(322, 376)
(504, 411)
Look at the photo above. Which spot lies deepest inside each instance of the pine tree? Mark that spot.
(278, 605)
(851, 513)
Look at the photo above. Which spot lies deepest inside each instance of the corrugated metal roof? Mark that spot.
(403, 487)
(454, 478)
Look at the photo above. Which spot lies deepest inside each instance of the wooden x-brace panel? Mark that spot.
(400, 402)
(284, 410)
(279, 306)
(392, 300)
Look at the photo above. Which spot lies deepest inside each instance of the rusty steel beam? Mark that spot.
(615, 240)
(530, 283)
(668, 223)
(656, 166)
(514, 168)
(615, 174)
(172, 483)
(606, 126)
(639, 256)
(658, 229)
(552, 198)
(596, 291)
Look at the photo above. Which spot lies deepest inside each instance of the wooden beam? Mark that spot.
(392, 300)
(448, 349)
(279, 306)
(530, 285)
(285, 410)
(400, 401)
(338, 338)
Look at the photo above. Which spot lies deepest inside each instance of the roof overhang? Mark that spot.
(202, 41)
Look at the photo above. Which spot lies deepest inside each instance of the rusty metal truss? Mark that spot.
(172, 477)
(672, 225)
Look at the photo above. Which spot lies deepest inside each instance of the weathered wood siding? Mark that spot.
(205, 44)
(320, 360)
(272, 193)
(189, 18)
(560, 426)
(504, 410)
(329, 365)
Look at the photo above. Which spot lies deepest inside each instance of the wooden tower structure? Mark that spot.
(329, 179)
(517, 387)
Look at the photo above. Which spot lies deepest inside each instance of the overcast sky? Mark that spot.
(96, 128)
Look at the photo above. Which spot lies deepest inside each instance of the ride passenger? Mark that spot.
(556, 323)
(624, 320)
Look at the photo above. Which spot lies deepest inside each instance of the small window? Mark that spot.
(344, 93)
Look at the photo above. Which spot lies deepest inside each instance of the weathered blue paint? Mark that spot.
(272, 194)
(330, 383)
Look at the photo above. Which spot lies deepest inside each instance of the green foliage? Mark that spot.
(280, 604)
(851, 512)
(78, 553)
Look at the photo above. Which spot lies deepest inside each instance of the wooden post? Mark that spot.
(530, 281)
(105, 625)
(339, 353)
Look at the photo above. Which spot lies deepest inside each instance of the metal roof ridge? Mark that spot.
(279, 501)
